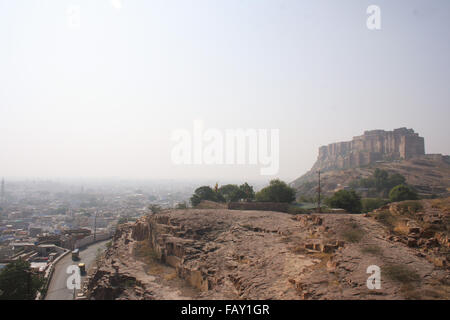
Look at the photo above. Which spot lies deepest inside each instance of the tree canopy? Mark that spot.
(276, 191)
(226, 193)
(205, 193)
(17, 281)
(348, 200)
(233, 192)
(380, 182)
(402, 192)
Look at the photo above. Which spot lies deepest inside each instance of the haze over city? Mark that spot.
(101, 100)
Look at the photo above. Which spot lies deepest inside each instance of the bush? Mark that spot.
(233, 192)
(277, 191)
(380, 181)
(370, 204)
(205, 193)
(345, 199)
(402, 193)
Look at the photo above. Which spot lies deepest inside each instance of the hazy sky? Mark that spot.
(102, 100)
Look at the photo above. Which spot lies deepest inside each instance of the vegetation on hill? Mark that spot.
(345, 199)
(205, 193)
(18, 282)
(370, 204)
(402, 193)
(226, 193)
(429, 176)
(380, 183)
(233, 192)
(276, 191)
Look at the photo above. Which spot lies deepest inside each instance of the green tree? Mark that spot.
(233, 192)
(205, 193)
(246, 192)
(230, 192)
(395, 180)
(277, 191)
(18, 282)
(402, 192)
(381, 177)
(348, 200)
(380, 181)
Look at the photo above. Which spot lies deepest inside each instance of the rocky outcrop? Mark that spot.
(428, 174)
(372, 146)
(230, 254)
(421, 226)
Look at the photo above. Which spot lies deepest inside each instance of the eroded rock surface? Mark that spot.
(229, 254)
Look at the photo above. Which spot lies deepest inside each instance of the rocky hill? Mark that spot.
(231, 254)
(429, 174)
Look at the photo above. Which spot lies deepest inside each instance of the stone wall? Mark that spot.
(372, 146)
(262, 206)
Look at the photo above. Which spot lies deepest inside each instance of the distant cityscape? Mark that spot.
(41, 219)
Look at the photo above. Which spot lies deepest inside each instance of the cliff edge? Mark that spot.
(231, 254)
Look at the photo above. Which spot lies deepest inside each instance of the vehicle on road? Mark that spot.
(82, 267)
(76, 255)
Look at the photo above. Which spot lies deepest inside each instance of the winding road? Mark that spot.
(57, 289)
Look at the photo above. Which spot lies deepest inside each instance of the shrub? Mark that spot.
(277, 191)
(402, 193)
(345, 199)
(205, 193)
(370, 204)
(380, 181)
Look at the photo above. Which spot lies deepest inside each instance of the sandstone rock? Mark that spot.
(327, 248)
(440, 262)
(414, 230)
(412, 242)
(228, 254)
(331, 265)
